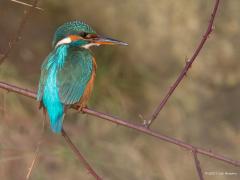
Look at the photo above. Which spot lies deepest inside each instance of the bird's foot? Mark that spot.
(80, 108)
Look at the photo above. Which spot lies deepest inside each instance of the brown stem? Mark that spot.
(79, 155)
(197, 165)
(26, 4)
(138, 128)
(16, 38)
(186, 68)
(37, 150)
(32, 94)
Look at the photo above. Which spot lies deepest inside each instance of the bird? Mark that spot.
(68, 72)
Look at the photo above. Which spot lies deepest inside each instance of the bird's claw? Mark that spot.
(80, 109)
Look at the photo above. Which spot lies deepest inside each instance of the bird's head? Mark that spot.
(79, 34)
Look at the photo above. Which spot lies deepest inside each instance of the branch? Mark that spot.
(17, 37)
(26, 4)
(37, 150)
(198, 166)
(34, 160)
(139, 128)
(33, 95)
(79, 155)
(186, 68)
(121, 122)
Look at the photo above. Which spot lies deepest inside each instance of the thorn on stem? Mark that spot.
(211, 30)
(10, 44)
(146, 123)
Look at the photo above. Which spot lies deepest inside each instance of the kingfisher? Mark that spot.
(69, 71)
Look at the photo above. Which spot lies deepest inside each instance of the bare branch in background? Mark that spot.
(139, 128)
(31, 94)
(25, 4)
(34, 160)
(37, 150)
(197, 165)
(17, 36)
(186, 68)
(80, 156)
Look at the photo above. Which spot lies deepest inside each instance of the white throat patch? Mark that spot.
(87, 46)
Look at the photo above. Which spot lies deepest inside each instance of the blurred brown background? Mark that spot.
(130, 82)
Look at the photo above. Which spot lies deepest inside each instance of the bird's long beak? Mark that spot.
(100, 40)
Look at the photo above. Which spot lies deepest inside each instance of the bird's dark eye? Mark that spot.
(83, 34)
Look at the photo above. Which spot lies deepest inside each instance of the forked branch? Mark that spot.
(186, 68)
(139, 128)
(142, 129)
(17, 36)
(31, 94)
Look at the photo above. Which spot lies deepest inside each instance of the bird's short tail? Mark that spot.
(56, 115)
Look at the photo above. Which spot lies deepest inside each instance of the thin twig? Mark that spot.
(36, 151)
(3, 105)
(17, 37)
(186, 68)
(197, 165)
(79, 155)
(26, 4)
(34, 160)
(31, 94)
(140, 128)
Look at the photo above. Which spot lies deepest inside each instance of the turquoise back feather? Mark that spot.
(75, 74)
(48, 91)
(65, 74)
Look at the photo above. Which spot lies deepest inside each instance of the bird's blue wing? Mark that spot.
(48, 92)
(74, 75)
(44, 76)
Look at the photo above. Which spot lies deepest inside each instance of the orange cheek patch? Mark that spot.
(74, 37)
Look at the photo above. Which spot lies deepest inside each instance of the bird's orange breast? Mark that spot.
(89, 87)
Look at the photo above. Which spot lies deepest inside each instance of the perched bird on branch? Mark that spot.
(68, 72)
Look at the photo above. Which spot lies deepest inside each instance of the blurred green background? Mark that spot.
(130, 82)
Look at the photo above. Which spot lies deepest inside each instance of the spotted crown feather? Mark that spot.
(73, 27)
